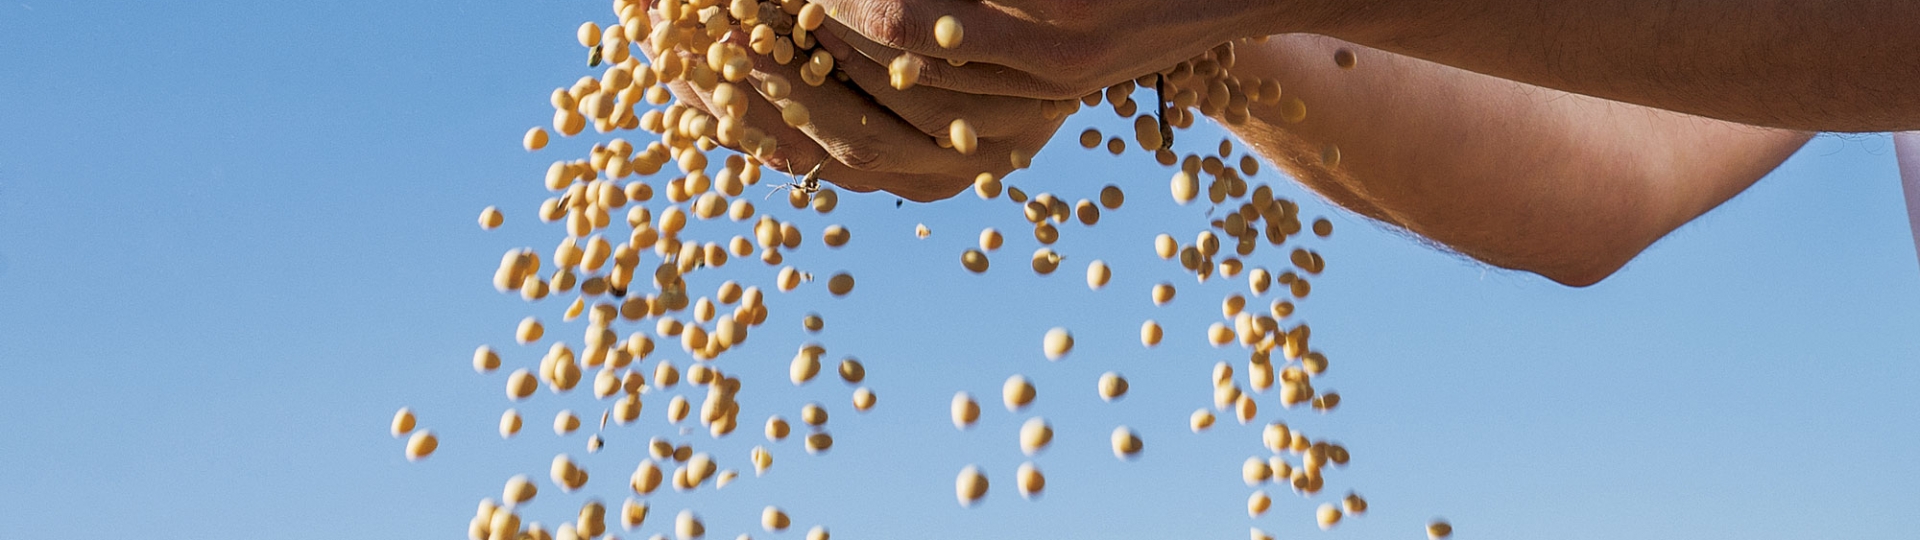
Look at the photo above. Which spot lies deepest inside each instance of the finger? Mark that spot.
(989, 32)
(933, 109)
(852, 128)
(972, 77)
(921, 155)
(797, 151)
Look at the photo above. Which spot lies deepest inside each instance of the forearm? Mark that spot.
(1521, 177)
(1812, 65)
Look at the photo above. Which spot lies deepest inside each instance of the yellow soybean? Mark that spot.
(1029, 480)
(1057, 343)
(535, 139)
(819, 443)
(421, 445)
(965, 411)
(1200, 420)
(1162, 293)
(962, 134)
(970, 486)
(777, 428)
(1150, 333)
(1255, 471)
(1112, 386)
(1035, 435)
(948, 32)
(529, 331)
(402, 422)
(852, 372)
(521, 384)
(986, 186)
(813, 414)
(840, 284)
(1184, 186)
(589, 34)
(1354, 504)
(1098, 274)
(1045, 261)
(687, 526)
(904, 71)
(518, 490)
(509, 423)
(974, 261)
(774, 520)
(1258, 503)
(1126, 444)
(632, 514)
(1016, 393)
(1328, 515)
(835, 236)
(491, 218)
(565, 422)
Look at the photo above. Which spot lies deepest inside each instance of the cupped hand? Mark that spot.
(1050, 49)
(873, 137)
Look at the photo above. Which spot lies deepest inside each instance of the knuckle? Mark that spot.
(859, 155)
(892, 24)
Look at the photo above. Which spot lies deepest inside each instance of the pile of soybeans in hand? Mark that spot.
(657, 329)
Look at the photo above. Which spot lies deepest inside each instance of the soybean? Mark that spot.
(1162, 293)
(948, 32)
(1098, 274)
(402, 422)
(962, 135)
(1035, 435)
(970, 486)
(421, 445)
(840, 284)
(1200, 420)
(1029, 480)
(509, 423)
(965, 411)
(491, 218)
(1126, 444)
(529, 331)
(1016, 393)
(974, 261)
(1057, 343)
(1328, 515)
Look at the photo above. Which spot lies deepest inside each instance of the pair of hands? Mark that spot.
(1016, 55)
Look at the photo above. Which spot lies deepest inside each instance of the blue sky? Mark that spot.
(236, 236)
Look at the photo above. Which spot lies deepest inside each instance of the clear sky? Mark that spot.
(236, 236)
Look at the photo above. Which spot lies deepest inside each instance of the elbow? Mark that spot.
(1584, 265)
(1583, 275)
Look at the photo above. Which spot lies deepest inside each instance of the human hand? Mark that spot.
(1048, 49)
(872, 137)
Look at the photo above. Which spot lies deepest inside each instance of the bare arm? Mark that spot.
(1567, 186)
(1798, 64)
